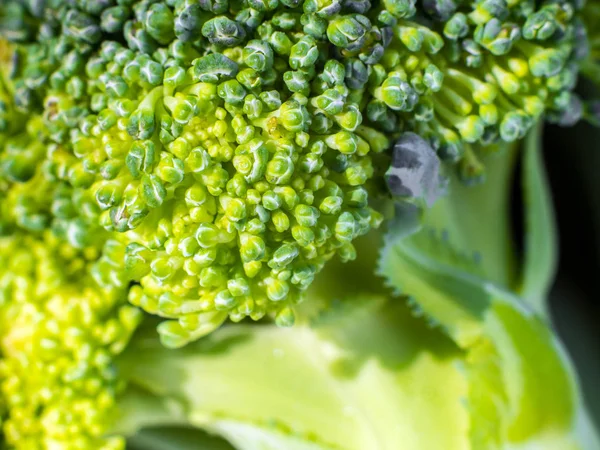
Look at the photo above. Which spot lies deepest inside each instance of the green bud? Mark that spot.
(188, 22)
(304, 236)
(311, 163)
(238, 287)
(440, 10)
(489, 114)
(400, 8)
(331, 102)
(456, 27)
(285, 317)
(281, 221)
(151, 73)
(196, 195)
(508, 82)
(251, 160)
(486, 10)
(297, 81)
(214, 6)
(253, 107)
(472, 53)
(540, 25)
(136, 261)
(343, 141)
(252, 248)
(471, 128)
(214, 68)
(277, 290)
(250, 18)
(141, 124)
(258, 55)
(138, 38)
(347, 252)
(232, 92)
(411, 37)
(348, 32)
(288, 195)
(331, 205)
(271, 201)
(333, 73)
(496, 36)
(170, 169)
(280, 42)
(215, 178)
(324, 8)
(174, 76)
(159, 23)
(264, 5)
(225, 301)
(285, 20)
(152, 190)
(280, 169)
(82, 27)
(271, 99)
(114, 85)
(433, 78)
(293, 116)
(107, 119)
(208, 235)
(397, 94)
(306, 216)
(250, 79)
(304, 53)
(284, 256)
(314, 26)
(223, 31)
(234, 208)
(345, 227)
(174, 335)
(113, 19)
(197, 161)
(183, 52)
(357, 6)
(356, 175)
(108, 195)
(514, 126)
(356, 74)
(547, 62)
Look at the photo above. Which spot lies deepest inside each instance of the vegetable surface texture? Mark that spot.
(181, 182)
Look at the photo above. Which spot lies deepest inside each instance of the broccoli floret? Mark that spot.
(231, 149)
(204, 160)
(60, 332)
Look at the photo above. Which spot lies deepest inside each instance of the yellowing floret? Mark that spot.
(59, 335)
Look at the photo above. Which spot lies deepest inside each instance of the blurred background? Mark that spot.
(573, 162)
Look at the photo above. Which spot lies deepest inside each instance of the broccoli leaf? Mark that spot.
(176, 438)
(522, 390)
(369, 376)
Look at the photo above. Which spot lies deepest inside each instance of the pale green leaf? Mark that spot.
(366, 377)
(522, 392)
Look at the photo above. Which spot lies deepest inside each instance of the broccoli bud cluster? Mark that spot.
(482, 72)
(227, 180)
(229, 147)
(60, 332)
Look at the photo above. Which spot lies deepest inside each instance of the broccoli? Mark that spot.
(232, 148)
(178, 163)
